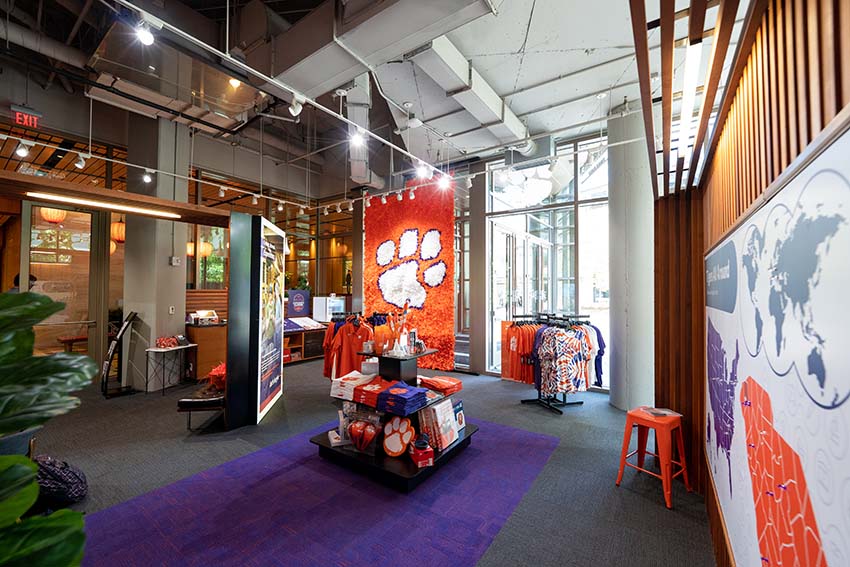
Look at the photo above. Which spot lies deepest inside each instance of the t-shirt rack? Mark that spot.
(562, 357)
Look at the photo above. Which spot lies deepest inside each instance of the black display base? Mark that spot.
(404, 369)
(399, 473)
(552, 403)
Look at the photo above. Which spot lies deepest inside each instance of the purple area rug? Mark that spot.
(284, 505)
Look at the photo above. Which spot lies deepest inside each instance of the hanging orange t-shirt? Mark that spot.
(347, 343)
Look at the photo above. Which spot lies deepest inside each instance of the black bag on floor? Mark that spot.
(60, 484)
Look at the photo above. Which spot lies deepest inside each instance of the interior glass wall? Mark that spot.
(548, 239)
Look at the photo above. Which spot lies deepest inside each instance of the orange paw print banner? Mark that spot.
(409, 259)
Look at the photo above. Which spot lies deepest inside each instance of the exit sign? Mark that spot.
(25, 116)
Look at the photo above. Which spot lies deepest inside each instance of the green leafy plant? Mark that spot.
(34, 389)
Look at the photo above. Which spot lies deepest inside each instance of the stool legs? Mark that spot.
(627, 437)
(643, 434)
(665, 455)
(680, 442)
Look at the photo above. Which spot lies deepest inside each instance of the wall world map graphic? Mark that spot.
(777, 423)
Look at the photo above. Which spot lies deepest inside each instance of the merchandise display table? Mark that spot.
(399, 368)
(399, 473)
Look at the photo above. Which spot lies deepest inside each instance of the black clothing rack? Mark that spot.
(553, 402)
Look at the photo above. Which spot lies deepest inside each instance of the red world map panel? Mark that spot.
(787, 528)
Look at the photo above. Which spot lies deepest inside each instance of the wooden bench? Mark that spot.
(206, 398)
(69, 342)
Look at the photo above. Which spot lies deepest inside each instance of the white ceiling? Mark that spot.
(577, 49)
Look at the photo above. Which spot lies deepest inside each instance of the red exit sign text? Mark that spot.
(26, 117)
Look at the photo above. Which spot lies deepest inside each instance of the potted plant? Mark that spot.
(32, 390)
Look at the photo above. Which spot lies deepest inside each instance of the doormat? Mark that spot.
(284, 505)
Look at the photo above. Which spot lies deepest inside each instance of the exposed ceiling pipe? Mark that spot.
(19, 35)
(80, 17)
(358, 103)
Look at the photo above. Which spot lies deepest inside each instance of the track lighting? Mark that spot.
(221, 192)
(367, 201)
(412, 195)
(421, 171)
(144, 34)
(23, 149)
(147, 176)
(357, 139)
(254, 199)
(444, 182)
(296, 107)
(279, 206)
(338, 208)
(325, 211)
(235, 83)
(301, 211)
(350, 206)
(81, 161)
(383, 199)
(399, 195)
(469, 183)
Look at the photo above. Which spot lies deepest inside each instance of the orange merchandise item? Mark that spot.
(398, 433)
(327, 347)
(383, 336)
(506, 351)
(347, 343)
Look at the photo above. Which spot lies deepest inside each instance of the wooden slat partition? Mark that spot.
(790, 78)
(793, 84)
(215, 299)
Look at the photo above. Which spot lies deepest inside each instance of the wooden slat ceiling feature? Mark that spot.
(17, 184)
(720, 45)
(638, 13)
(58, 162)
(668, 9)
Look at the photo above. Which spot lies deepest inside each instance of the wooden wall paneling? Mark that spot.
(813, 38)
(843, 55)
(770, 65)
(802, 69)
(781, 158)
(830, 80)
(790, 65)
(668, 9)
(762, 98)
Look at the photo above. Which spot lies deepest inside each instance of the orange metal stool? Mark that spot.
(666, 423)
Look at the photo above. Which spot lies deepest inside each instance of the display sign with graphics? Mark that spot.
(778, 372)
(272, 243)
(299, 303)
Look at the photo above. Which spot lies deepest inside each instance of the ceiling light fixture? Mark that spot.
(367, 201)
(81, 161)
(383, 199)
(23, 149)
(444, 182)
(421, 171)
(279, 206)
(600, 96)
(689, 92)
(144, 34)
(296, 107)
(412, 195)
(399, 196)
(147, 176)
(235, 83)
(325, 211)
(350, 206)
(254, 199)
(357, 139)
(301, 211)
(338, 208)
(101, 205)
(221, 192)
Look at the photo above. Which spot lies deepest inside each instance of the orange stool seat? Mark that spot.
(666, 423)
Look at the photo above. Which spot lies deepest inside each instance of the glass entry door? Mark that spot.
(58, 255)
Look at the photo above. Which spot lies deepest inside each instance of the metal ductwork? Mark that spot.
(293, 150)
(448, 67)
(341, 39)
(358, 104)
(58, 51)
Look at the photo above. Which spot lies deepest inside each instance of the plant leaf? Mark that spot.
(57, 539)
(18, 487)
(34, 389)
(20, 311)
(16, 345)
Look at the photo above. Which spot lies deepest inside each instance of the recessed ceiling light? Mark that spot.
(235, 83)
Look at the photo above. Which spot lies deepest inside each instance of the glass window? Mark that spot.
(593, 275)
(513, 188)
(593, 169)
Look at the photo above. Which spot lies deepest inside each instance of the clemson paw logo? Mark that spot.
(398, 433)
(409, 266)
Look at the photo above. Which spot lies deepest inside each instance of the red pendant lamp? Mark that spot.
(53, 216)
(117, 230)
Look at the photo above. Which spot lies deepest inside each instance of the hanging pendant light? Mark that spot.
(53, 216)
(117, 231)
(205, 250)
(190, 248)
(112, 247)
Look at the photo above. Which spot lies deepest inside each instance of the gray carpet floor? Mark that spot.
(573, 515)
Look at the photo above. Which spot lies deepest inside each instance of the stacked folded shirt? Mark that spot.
(402, 399)
(367, 394)
(343, 388)
(446, 385)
